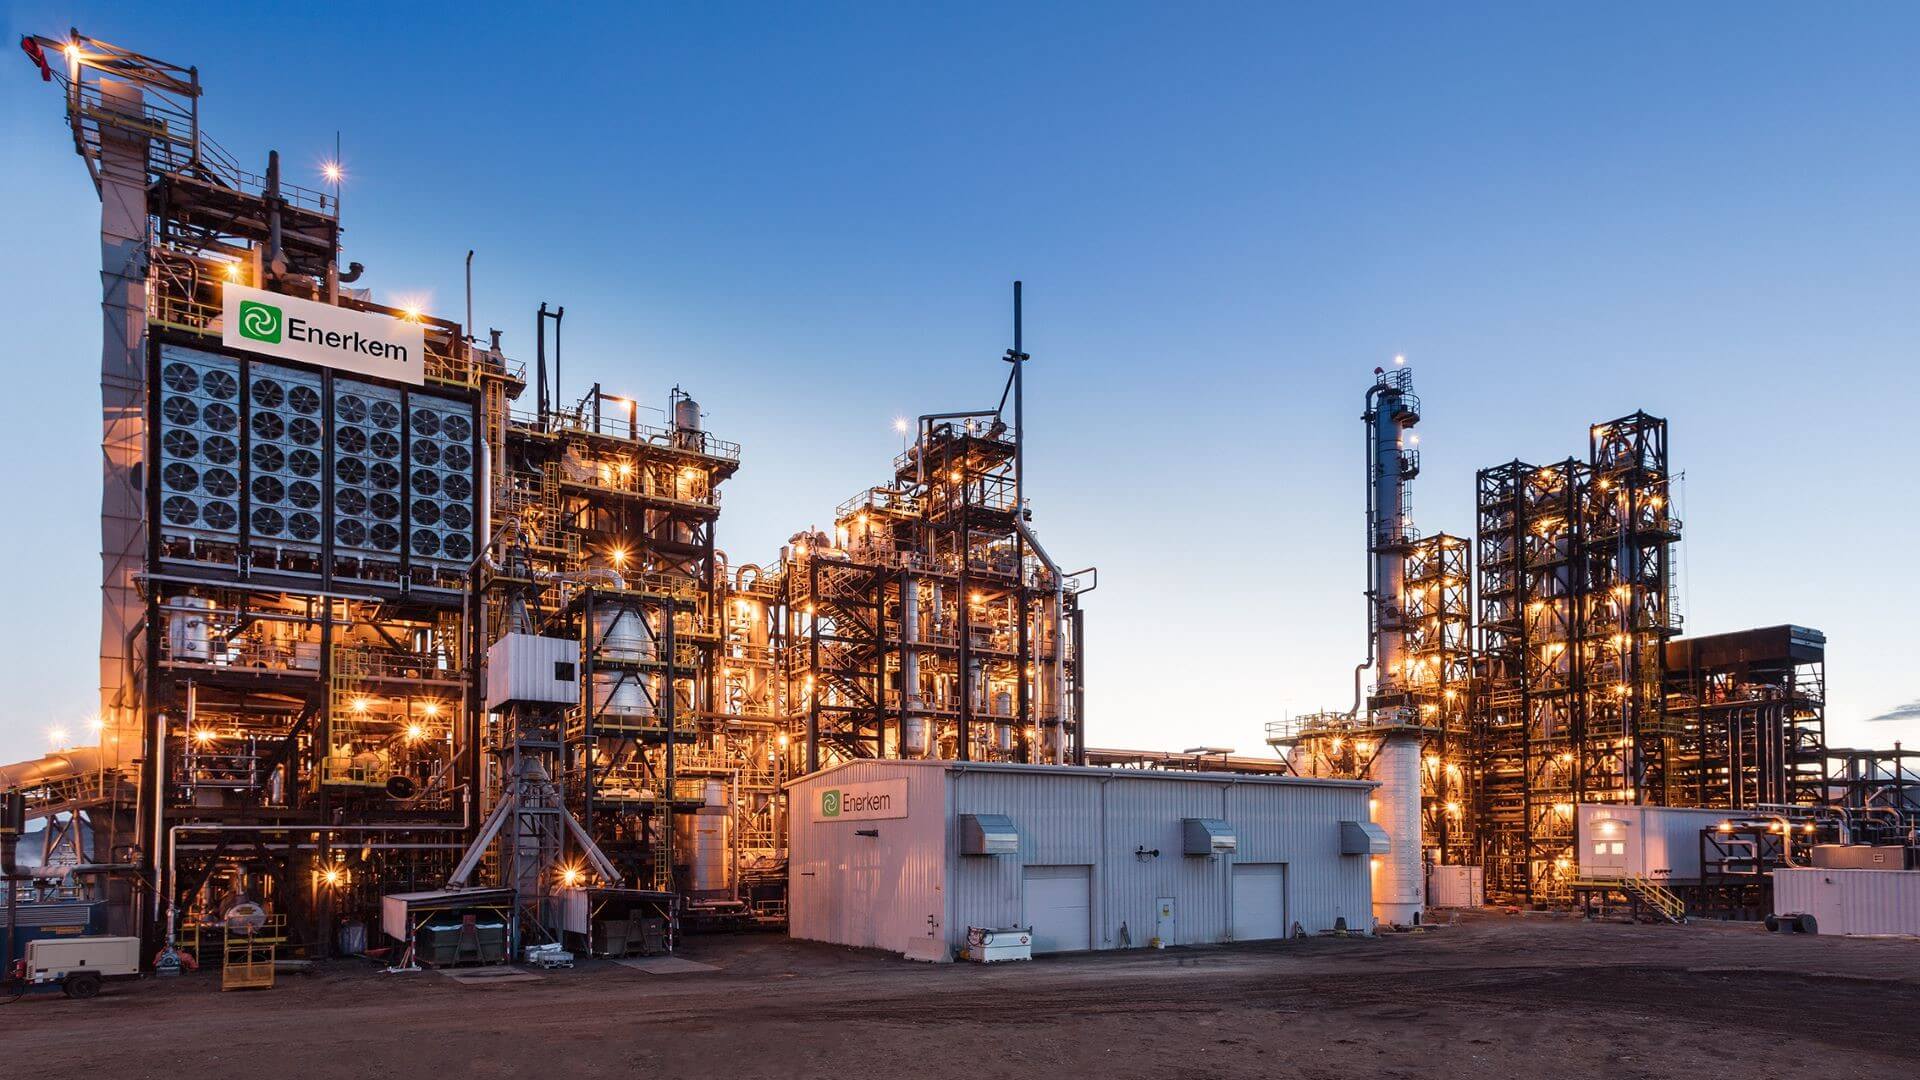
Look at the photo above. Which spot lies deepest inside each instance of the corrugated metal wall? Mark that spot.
(1851, 901)
(1107, 818)
(883, 891)
(879, 891)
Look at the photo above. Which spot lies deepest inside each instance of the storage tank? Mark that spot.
(621, 632)
(190, 628)
(702, 841)
(620, 693)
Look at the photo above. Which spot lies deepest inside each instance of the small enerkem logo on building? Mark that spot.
(863, 801)
(260, 322)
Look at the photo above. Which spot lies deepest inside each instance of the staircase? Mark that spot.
(1656, 896)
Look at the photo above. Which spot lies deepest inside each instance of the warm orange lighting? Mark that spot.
(231, 271)
(618, 557)
(571, 877)
(203, 736)
(360, 704)
(431, 708)
(416, 732)
(332, 876)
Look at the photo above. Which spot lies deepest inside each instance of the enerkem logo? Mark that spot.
(830, 803)
(311, 332)
(260, 322)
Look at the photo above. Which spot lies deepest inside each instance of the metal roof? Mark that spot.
(1088, 772)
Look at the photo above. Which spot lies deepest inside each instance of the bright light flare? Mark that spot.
(900, 424)
(57, 735)
(332, 171)
(571, 877)
(203, 736)
(416, 732)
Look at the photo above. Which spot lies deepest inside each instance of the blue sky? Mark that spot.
(1226, 216)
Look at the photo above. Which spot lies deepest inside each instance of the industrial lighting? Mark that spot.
(360, 704)
(1453, 808)
(332, 876)
(431, 708)
(618, 557)
(57, 735)
(203, 736)
(783, 740)
(1726, 826)
(900, 424)
(331, 170)
(1399, 360)
(571, 877)
(416, 732)
(231, 271)
(96, 725)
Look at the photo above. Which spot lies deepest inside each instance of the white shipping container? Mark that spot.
(1851, 901)
(1658, 842)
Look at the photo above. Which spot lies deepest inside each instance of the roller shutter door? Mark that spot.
(1259, 901)
(1059, 907)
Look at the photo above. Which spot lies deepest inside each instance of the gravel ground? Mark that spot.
(1489, 997)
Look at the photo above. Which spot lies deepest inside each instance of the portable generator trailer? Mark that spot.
(75, 966)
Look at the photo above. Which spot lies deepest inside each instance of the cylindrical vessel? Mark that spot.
(1398, 895)
(703, 840)
(621, 632)
(620, 693)
(190, 628)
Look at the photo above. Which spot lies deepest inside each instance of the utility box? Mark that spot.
(531, 668)
(1860, 857)
(986, 946)
(1208, 836)
(988, 834)
(56, 958)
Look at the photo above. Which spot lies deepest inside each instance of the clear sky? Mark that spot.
(1226, 216)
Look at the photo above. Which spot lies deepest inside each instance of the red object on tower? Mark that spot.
(38, 56)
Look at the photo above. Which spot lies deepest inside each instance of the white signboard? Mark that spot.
(861, 802)
(295, 329)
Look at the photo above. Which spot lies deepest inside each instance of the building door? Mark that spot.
(1259, 901)
(1058, 904)
(1166, 924)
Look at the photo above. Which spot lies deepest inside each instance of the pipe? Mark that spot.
(1371, 410)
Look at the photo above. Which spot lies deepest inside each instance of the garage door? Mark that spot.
(1259, 901)
(1059, 907)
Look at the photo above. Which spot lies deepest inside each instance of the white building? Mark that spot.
(907, 855)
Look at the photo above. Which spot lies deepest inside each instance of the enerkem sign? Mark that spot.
(862, 802)
(295, 329)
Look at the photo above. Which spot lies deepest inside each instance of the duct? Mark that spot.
(65, 765)
(1055, 748)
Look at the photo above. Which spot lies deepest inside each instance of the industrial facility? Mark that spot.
(1532, 686)
(409, 646)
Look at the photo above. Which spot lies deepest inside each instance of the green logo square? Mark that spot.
(261, 322)
(830, 804)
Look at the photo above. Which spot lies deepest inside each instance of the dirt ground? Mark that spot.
(1490, 997)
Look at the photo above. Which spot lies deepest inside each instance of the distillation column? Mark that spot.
(1392, 409)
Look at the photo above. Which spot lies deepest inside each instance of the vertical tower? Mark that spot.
(1392, 411)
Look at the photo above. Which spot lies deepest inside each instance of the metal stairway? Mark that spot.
(1657, 896)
